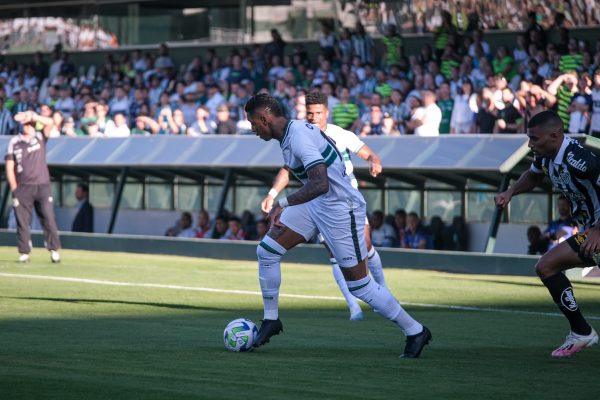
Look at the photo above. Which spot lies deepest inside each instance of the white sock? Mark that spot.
(381, 300)
(376, 267)
(269, 254)
(339, 279)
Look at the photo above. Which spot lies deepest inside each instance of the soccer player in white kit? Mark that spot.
(345, 141)
(326, 203)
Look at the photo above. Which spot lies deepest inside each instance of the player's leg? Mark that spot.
(44, 208)
(344, 231)
(550, 270)
(374, 263)
(356, 313)
(23, 206)
(296, 227)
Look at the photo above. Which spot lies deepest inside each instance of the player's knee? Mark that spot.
(544, 268)
(269, 251)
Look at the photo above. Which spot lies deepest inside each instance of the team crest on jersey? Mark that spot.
(577, 164)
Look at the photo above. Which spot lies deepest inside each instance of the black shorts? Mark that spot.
(575, 242)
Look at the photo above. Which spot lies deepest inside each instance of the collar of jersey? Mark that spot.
(561, 152)
(287, 129)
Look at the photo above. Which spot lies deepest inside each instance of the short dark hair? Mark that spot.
(84, 187)
(263, 101)
(315, 98)
(548, 120)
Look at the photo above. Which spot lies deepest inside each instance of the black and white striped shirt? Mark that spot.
(7, 124)
(576, 172)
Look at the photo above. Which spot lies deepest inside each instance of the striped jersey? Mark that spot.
(304, 146)
(563, 98)
(576, 172)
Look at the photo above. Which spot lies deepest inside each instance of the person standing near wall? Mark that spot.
(29, 180)
(84, 219)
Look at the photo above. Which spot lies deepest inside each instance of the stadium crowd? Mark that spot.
(405, 230)
(457, 86)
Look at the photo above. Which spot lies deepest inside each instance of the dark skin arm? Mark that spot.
(318, 184)
(526, 183)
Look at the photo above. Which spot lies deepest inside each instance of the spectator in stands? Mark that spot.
(221, 226)
(538, 244)
(203, 125)
(204, 229)
(415, 236)
(185, 224)
(595, 95)
(392, 47)
(84, 219)
(120, 102)
(65, 104)
(363, 45)
(276, 46)
(400, 225)
(7, 125)
(382, 234)
(374, 124)
(580, 117)
(262, 228)
(562, 228)
(225, 126)
(118, 127)
(102, 119)
(234, 231)
(509, 120)
(426, 120)
(22, 103)
(163, 61)
(565, 87)
(464, 110)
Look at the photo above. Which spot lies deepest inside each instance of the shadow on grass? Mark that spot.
(135, 303)
(515, 283)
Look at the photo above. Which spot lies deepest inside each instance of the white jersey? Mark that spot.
(595, 110)
(345, 141)
(304, 146)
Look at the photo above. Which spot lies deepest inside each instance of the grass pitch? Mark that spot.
(92, 337)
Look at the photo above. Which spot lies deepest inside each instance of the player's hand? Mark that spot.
(267, 204)
(274, 215)
(503, 199)
(375, 168)
(591, 245)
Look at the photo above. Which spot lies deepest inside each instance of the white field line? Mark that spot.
(254, 293)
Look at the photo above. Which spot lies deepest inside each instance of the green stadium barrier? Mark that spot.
(448, 261)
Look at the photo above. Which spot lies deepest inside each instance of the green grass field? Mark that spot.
(89, 338)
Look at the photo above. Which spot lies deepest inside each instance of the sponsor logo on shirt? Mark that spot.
(577, 164)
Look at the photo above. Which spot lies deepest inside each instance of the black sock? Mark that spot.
(560, 288)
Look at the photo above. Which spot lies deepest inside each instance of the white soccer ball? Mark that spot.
(239, 335)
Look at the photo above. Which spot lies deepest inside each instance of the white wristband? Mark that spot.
(273, 193)
(283, 203)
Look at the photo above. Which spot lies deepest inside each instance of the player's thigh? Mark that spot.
(562, 257)
(344, 231)
(296, 227)
(368, 234)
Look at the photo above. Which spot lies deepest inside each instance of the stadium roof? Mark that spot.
(449, 159)
(76, 8)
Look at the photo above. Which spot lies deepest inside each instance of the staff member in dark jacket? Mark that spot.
(84, 220)
(29, 180)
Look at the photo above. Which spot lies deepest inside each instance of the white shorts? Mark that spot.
(321, 239)
(340, 227)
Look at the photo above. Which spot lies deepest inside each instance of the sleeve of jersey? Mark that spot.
(10, 152)
(536, 165)
(305, 147)
(353, 142)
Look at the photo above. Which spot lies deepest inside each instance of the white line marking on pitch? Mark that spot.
(253, 293)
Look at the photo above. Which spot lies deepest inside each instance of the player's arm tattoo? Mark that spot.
(318, 184)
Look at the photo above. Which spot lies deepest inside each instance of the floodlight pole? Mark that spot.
(495, 224)
(117, 198)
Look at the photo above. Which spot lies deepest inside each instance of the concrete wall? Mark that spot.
(512, 238)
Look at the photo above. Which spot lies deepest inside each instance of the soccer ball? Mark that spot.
(239, 335)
